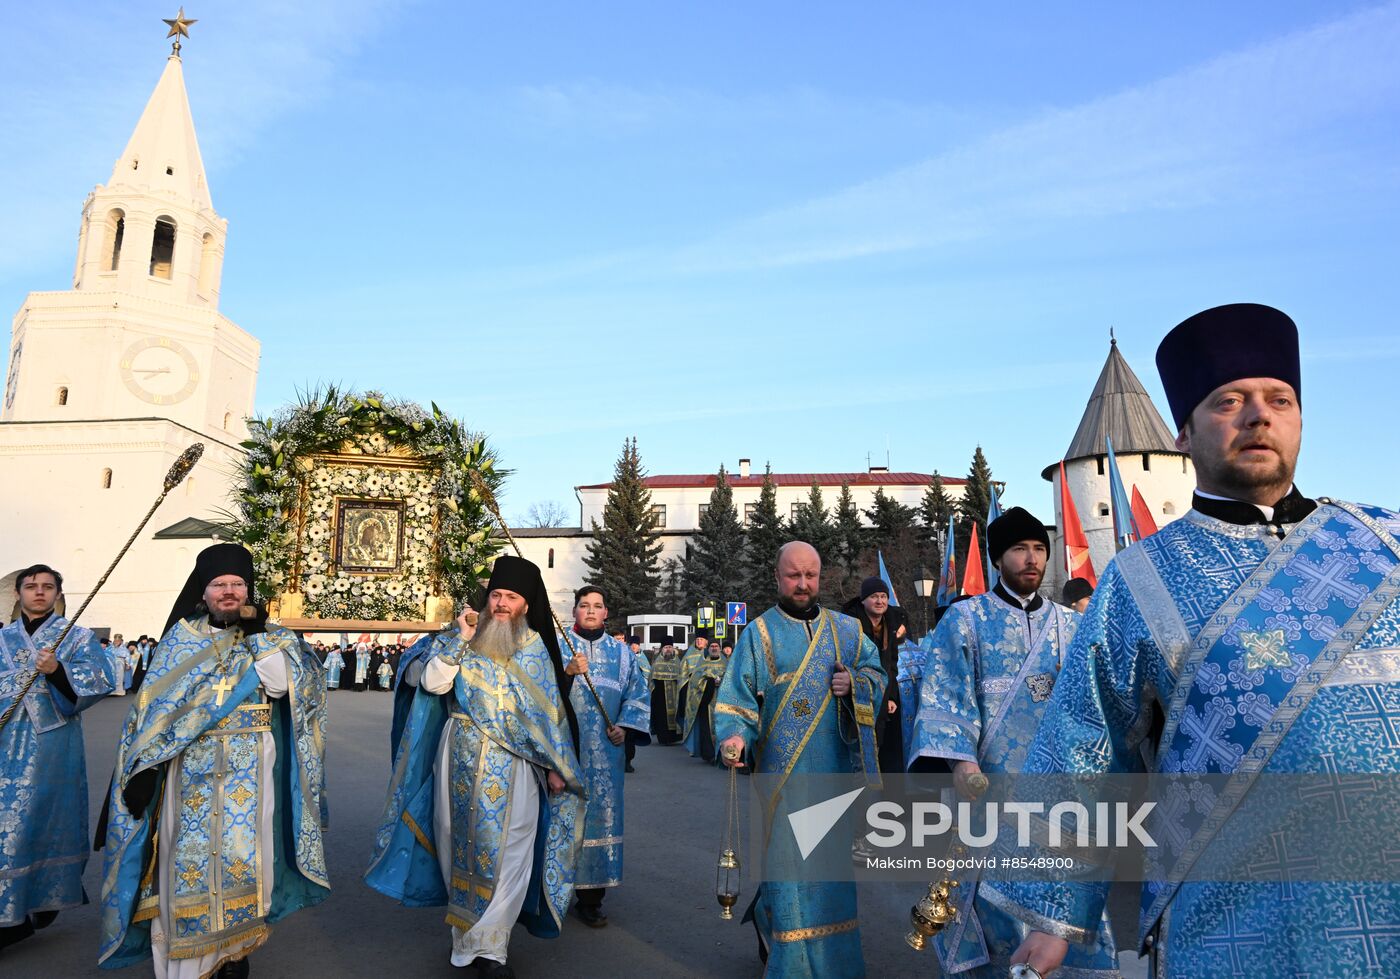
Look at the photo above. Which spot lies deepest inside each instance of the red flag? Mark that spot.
(1077, 561)
(974, 580)
(1143, 524)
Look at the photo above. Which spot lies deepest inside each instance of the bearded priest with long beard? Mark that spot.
(487, 766)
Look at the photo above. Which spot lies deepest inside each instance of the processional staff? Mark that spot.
(489, 500)
(173, 478)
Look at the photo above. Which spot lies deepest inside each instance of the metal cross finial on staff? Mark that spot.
(173, 478)
(488, 499)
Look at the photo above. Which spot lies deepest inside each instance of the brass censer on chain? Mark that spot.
(728, 873)
(935, 910)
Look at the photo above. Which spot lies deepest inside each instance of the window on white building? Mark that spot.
(658, 515)
(1103, 510)
(163, 248)
(749, 510)
(794, 511)
(116, 228)
(551, 557)
(704, 509)
(62, 397)
(1146, 462)
(106, 479)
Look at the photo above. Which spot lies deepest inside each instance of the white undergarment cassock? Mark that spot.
(489, 938)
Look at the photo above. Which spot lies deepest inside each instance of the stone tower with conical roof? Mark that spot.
(1119, 409)
(110, 380)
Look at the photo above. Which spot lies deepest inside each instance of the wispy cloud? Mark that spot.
(245, 66)
(1247, 123)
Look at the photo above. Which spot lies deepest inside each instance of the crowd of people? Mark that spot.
(1272, 614)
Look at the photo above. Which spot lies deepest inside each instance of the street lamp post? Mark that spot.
(925, 585)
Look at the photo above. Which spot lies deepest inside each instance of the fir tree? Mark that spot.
(977, 494)
(810, 523)
(766, 533)
(896, 536)
(714, 569)
(849, 543)
(623, 553)
(934, 511)
(670, 597)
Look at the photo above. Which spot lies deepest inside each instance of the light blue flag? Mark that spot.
(1124, 533)
(948, 578)
(885, 576)
(993, 511)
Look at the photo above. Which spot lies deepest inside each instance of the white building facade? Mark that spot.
(678, 501)
(109, 381)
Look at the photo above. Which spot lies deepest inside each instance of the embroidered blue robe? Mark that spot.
(404, 693)
(1264, 656)
(776, 694)
(622, 686)
(43, 772)
(988, 675)
(334, 664)
(499, 712)
(184, 712)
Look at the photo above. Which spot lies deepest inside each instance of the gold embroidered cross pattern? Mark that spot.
(494, 792)
(239, 870)
(801, 707)
(240, 796)
(1265, 649)
(191, 876)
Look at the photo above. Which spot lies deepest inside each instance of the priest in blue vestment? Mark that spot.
(987, 678)
(335, 664)
(43, 773)
(621, 683)
(485, 807)
(801, 692)
(223, 754)
(1259, 630)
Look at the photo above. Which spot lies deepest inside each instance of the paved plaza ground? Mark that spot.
(663, 920)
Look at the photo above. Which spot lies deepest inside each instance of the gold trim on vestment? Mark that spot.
(236, 942)
(743, 712)
(767, 648)
(418, 834)
(817, 931)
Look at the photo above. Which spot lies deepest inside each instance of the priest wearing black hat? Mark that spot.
(989, 672)
(1076, 594)
(1261, 610)
(485, 807)
(222, 754)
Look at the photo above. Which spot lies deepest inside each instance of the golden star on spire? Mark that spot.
(179, 25)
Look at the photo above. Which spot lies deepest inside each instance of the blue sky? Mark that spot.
(799, 232)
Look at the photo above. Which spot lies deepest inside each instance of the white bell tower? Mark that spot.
(110, 380)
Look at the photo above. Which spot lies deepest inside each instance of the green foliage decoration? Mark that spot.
(287, 480)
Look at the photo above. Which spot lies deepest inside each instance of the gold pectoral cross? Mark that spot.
(221, 690)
